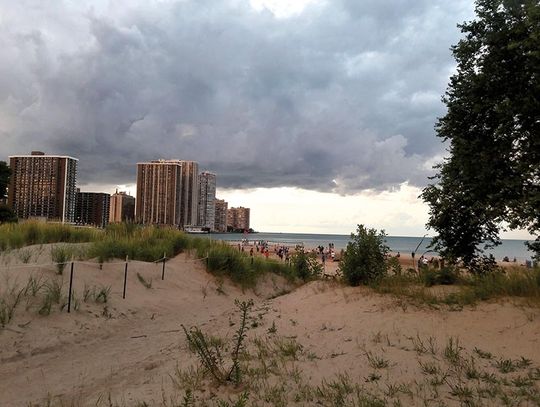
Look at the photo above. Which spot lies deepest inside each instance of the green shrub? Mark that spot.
(305, 265)
(364, 261)
(446, 276)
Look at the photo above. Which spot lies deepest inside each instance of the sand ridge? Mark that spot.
(129, 349)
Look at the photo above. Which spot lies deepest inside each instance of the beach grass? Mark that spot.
(17, 235)
(459, 289)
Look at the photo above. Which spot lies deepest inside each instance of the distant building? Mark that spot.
(207, 200)
(220, 224)
(122, 208)
(189, 200)
(92, 208)
(238, 218)
(159, 192)
(43, 186)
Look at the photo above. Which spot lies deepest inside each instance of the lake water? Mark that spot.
(404, 244)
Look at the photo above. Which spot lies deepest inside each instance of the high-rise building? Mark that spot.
(92, 208)
(122, 208)
(159, 192)
(221, 215)
(190, 193)
(43, 186)
(238, 218)
(207, 198)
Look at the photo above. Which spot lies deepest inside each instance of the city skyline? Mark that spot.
(335, 102)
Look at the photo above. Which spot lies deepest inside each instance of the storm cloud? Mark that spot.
(340, 97)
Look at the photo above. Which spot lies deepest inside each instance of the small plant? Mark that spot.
(60, 255)
(377, 362)
(102, 294)
(506, 366)
(210, 355)
(483, 354)
(8, 303)
(272, 329)
(25, 255)
(452, 351)
(52, 295)
(147, 284)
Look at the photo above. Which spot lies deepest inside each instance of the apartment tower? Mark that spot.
(159, 191)
(221, 215)
(238, 218)
(122, 208)
(190, 193)
(207, 198)
(43, 186)
(92, 208)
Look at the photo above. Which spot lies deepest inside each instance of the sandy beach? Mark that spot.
(131, 350)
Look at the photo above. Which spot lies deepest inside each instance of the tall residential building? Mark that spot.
(159, 192)
(190, 193)
(238, 218)
(207, 198)
(43, 186)
(221, 215)
(92, 208)
(122, 208)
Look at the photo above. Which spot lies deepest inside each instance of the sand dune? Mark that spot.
(128, 349)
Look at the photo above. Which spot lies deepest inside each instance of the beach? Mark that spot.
(134, 350)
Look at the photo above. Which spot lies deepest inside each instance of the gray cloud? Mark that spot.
(343, 97)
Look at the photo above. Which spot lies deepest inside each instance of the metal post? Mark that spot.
(70, 287)
(163, 268)
(125, 277)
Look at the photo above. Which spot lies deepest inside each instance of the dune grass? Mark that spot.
(465, 289)
(223, 259)
(17, 235)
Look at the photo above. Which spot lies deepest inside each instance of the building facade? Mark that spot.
(238, 218)
(189, 203)
(92, 208)
(159, 192)
(207, 200)
(220, 224)
(43, 186)
(122, 208)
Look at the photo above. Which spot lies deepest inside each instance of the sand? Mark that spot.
(128, 349)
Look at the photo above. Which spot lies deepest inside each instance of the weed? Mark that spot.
(25, 255)
(483, 354)
(210, 355)
(452, 351)
(52, 295)
(272, 329)
(505, 366)
(147, 284)
(429, 368)
(377, 362)
(289, 348)
(60, 255)
(102, 293)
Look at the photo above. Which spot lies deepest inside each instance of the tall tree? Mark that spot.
(6, 214)
(492, 126)
(5, 172)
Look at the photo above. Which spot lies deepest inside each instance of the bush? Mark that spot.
(305, 265)
(364, 261)
(446, 276)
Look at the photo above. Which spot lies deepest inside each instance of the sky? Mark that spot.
(317, 114)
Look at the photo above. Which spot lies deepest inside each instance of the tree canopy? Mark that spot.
(5, 172)
(6, 214)
(491, 176)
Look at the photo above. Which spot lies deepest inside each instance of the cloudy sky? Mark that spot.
(317, 114)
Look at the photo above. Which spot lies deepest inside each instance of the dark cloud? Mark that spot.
(342, 97)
